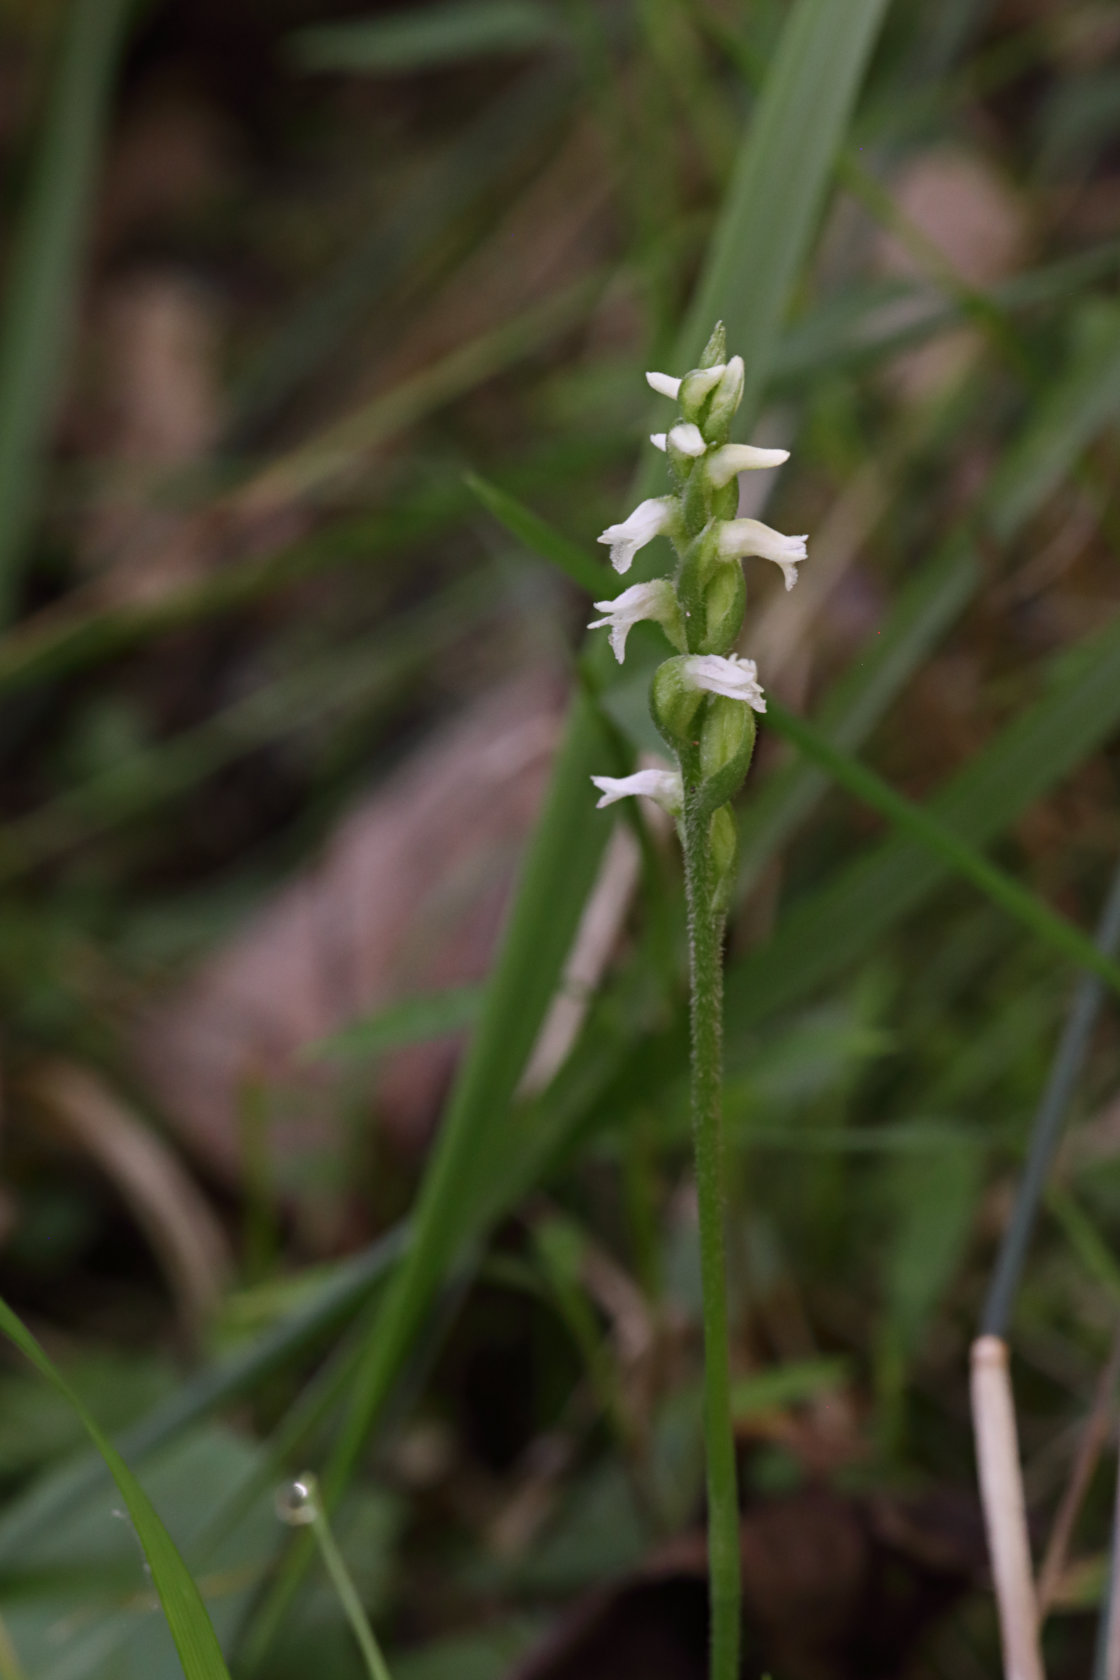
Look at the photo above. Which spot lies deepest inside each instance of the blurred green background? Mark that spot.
(343, 1052)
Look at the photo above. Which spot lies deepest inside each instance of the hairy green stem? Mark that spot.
(706, 972)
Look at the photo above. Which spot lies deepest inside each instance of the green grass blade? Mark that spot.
(855, 704)
(426, 37)
(778, 189)
(1078, 406)
(540, 538)
(328, 1310)
(39, 305)
(953, 851)
(837, 924)
(412, 1021)
(186, 1614)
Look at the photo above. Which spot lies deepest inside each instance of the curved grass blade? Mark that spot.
(186, 1613)
(834, 926)
(44, 269)
(953, 851)
(541, 538)
(427, 37)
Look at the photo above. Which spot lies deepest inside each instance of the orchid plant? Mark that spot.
(703, 701)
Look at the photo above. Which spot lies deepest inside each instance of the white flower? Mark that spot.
(664, 384)
(659, 440)
(647, 521)
(740, 537)
(734, 678)
(662, 786)
(655, 600)
(723, 464)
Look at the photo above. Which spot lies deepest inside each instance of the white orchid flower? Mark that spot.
(647, 521)
(741, 537)
(662, 786)
(734, 678)
(655, 600)
(724, 464)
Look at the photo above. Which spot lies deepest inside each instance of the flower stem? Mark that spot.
(706, 967)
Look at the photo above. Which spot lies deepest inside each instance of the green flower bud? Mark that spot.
(716, 348)
(727, 732)
(722, 405)
(723, 838)
(698, 568)
(674, 702)
(725, 603)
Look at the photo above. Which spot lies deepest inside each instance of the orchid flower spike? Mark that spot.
(647, 521)
(662, 786)
(734, 678)
(741, 537)
(656, 600)
(724, 464)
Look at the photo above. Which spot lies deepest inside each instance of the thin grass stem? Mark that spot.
(302, 1505)
(1005, 1513)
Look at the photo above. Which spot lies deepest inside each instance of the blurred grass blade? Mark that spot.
(953, 851)
(44, 269)
(834, 926)
(426, 37)
(778, 188)
(922, 613)
(787, 1385)
(186, 1614)
(328, 1309)
(1077, 407)
(412, 1021)
(471, 171)
(540, 538)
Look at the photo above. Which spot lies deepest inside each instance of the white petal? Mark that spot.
(663, 786)
(648, 519)
(688, 439)
(740, 537)
(723, 464)
(654, 600)
(664, 384)
(659, 441)
(734, 678)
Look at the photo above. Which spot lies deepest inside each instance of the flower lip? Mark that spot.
(662, 786)
(723, 464)
(741, 537)
(647, 521)
(655, 600)
(732, 677)
(664, 384)
(659, 440)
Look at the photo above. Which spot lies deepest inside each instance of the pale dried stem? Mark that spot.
(1005, 1513)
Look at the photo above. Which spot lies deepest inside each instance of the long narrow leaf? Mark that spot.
(39, 305)
(953, 851)
(187, 1616)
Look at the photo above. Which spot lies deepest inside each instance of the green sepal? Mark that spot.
(674, 703)
(698, 567)
(727, 735)
(724, 607)
(715, 351)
